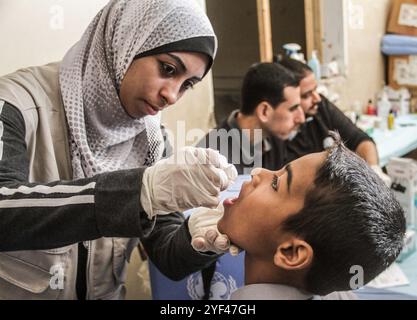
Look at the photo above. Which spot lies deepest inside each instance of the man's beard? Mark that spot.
(312, 111)
(293, 134)
(288, 137)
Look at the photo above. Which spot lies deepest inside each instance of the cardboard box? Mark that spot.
(402, 72)
(403, 17)
(403, 172)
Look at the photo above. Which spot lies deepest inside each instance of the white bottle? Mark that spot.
(315, 65)
(292, 51)
(383, 108)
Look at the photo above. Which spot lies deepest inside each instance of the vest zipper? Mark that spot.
(87, 277)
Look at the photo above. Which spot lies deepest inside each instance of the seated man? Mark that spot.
(322, 116)
(308, 226)
(270, 110)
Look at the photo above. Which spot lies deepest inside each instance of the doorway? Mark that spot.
(236, 25)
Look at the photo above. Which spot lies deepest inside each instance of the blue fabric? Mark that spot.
(399, 51)
(229, 276)
(368, 293)
(399, 45)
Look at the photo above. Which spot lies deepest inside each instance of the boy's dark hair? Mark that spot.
(265, 82)
(299, 69)
(350, 218)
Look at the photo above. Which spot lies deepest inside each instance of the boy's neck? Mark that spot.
(259, 271)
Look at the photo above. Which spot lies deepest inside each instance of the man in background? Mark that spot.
(270, 112)
(321, 117)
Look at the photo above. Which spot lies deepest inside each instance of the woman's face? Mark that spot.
(156, 82)
(253, 220)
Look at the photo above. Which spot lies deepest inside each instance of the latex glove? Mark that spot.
(382, 175)
(191, 178)
(204, 233)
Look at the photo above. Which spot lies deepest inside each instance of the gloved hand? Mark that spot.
(204, 233)
(191, 178)
(382, 175)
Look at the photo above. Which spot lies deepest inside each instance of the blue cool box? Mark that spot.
(229, 274)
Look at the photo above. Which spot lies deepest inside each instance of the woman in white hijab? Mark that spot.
(80, 171)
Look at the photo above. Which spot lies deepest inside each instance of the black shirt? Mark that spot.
(231, 142)
(312, 134)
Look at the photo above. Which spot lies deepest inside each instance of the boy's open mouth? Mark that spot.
(230, 202)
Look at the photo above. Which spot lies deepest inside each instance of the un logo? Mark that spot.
(221, 287)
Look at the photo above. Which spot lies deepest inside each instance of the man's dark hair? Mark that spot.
(265, 82)
(350, 218)
(299, 69)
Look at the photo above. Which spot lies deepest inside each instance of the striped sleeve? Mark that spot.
(51, 215)
(45, 216)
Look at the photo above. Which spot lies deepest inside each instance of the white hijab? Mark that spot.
(103, 136)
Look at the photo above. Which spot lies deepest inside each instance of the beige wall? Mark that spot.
(365, 70)
(35, 32)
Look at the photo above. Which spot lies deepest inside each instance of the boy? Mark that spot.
(307, 226)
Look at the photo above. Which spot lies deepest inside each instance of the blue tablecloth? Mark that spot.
(398, 142)
(409, 267)
(406, 292)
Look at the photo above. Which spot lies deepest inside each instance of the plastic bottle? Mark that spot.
(383, 108)
(314, 64)
(370, 108)
(292, 51)
(391, 120)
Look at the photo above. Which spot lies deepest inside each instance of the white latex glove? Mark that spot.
(204, 233)
(191, 178)
(382, 175)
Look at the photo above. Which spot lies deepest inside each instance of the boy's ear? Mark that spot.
(264, 111)
(294, 254)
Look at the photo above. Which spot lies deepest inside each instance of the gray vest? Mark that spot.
(51, 274)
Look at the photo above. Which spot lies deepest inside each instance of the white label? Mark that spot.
(401, 72)
(412, 60)
(405, 73)
(408, 15)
